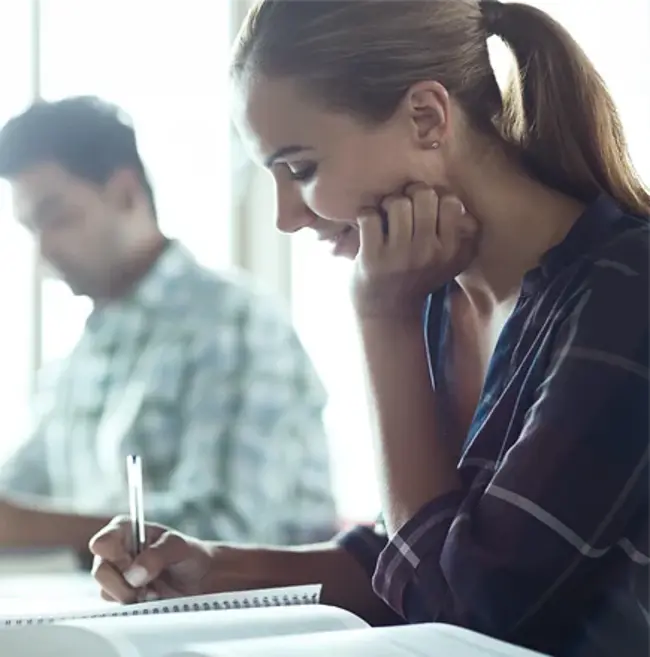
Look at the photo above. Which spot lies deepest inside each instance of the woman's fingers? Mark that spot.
(425, 204)
(114, 586)
(429, 241)
(371, 235)
(399, 212)
(457, 231)
(417, 235)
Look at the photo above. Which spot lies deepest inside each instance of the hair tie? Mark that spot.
(492, 11)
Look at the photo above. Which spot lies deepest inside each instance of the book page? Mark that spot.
(157, 635)
(426, 640)
(58, 641)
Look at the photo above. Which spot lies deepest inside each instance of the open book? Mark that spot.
(270, 623)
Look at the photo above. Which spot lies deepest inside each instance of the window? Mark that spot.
(16, 250)
(321, 308)
(323, 316)
(164, 63)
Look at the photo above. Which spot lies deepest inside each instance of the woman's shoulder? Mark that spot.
(624, 253)
(611, 284)
(630, 232)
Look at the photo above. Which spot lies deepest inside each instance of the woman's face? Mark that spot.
(328, 166)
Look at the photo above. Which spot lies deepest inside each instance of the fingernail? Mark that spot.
(136, 576)
(150, 596)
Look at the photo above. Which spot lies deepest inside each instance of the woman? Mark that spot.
(511, 435)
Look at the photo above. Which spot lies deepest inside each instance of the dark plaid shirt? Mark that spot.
(547, 543)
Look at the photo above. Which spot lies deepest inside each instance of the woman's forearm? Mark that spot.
(414, 464)
(345, 583)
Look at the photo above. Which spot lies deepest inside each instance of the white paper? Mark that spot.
(426, 640)
(58, 641)
(53, 608)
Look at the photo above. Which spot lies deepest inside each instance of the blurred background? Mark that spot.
(165, 64)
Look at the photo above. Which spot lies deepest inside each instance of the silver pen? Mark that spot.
(136, 510)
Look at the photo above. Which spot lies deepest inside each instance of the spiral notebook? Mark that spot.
(257, 599)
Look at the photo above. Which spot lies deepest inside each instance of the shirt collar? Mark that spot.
(161, 289)
(589, 229)
(158, 287)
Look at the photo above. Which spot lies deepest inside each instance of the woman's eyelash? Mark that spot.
(302, 175)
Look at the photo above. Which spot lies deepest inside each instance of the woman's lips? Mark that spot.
(337, 241)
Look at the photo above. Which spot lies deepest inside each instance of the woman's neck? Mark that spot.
(520, 220)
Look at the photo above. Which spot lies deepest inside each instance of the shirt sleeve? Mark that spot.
(254, 461)
(25, 473)
(566, 495)
(365, 544)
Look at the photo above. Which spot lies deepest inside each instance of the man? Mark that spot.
(196, 372)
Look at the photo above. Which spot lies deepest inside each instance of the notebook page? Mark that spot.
(157, 635)
(427, 640)
(281, 597)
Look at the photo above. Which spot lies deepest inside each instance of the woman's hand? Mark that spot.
(172, 565)
(421, 244)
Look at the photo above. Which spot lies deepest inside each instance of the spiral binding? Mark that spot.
(216, 605)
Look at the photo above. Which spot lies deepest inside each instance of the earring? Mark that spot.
(434, 145)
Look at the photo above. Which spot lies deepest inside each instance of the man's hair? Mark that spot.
(89, 138)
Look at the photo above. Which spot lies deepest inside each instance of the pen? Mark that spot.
(136, 511)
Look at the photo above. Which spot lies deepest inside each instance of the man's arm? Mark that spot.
(29, 518)
(30, 524)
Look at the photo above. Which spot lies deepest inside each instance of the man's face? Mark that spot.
(75, 222)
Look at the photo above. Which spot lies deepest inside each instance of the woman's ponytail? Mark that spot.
(558, 111)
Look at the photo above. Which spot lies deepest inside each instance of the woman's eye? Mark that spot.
(303, 174)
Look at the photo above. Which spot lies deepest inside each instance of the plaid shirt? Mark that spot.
(547, 543)
(207, 381)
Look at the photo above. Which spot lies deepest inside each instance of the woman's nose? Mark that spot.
(291, 212)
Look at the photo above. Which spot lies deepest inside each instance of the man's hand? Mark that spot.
(420, 244)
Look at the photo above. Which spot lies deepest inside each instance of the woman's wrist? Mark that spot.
(235, 567)
(382, 339)
(345, 583)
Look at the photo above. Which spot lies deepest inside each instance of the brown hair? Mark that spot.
(361, 57)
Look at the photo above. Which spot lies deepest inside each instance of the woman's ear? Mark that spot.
(427, 107)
